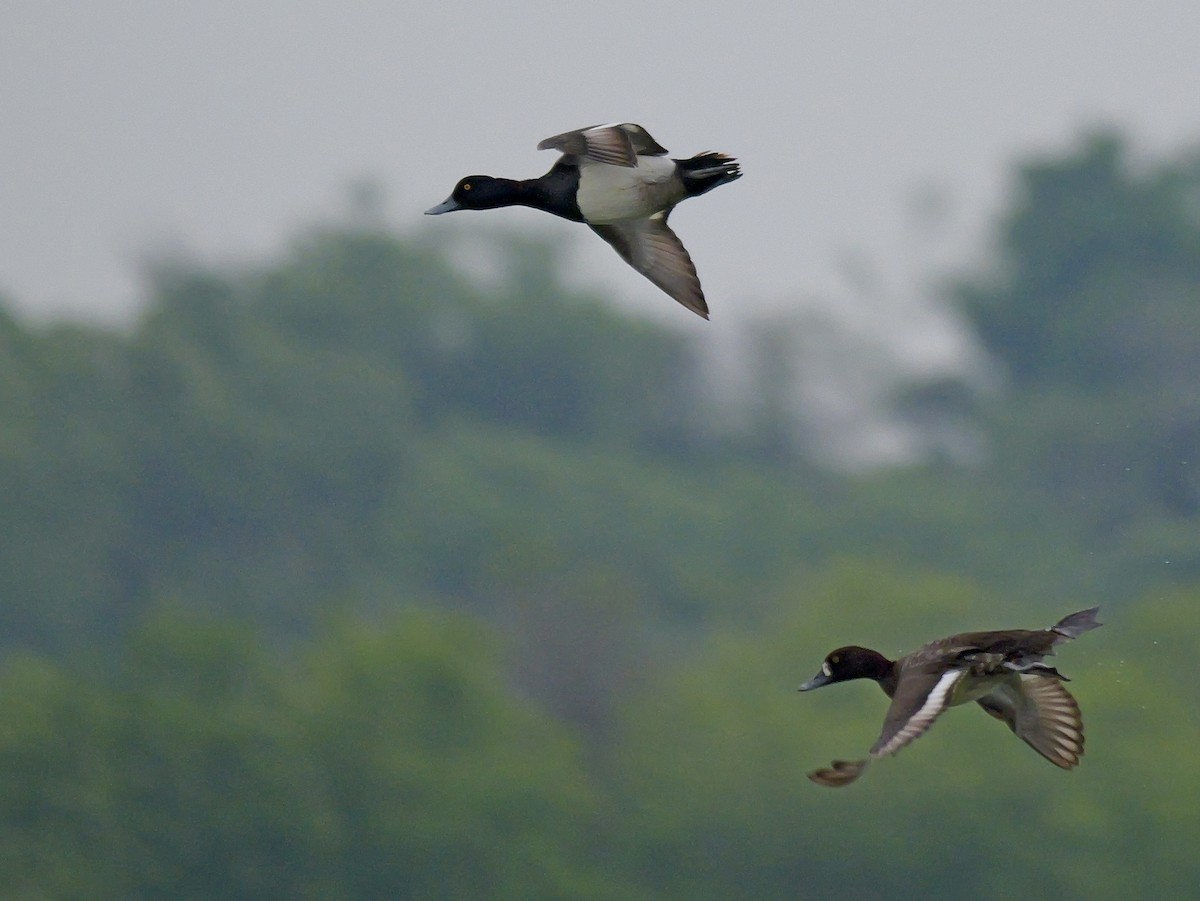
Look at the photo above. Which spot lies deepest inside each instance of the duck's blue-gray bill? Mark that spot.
(446, 206)
(815, 682)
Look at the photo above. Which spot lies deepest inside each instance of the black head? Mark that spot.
(848, 663)
(476, 192)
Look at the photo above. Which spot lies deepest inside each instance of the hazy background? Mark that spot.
(346, 553)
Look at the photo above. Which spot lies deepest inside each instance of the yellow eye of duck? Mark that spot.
(834, 659)
(466, 186)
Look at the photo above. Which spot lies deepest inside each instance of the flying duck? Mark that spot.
(620, 182)
(1001, 671)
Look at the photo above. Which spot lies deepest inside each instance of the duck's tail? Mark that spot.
(1076, 624)
(705, 171)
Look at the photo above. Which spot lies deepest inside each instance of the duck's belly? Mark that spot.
(973, 687)
(614, 193)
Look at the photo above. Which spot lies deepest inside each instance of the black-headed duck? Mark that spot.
(620, 182)
(1001, 671)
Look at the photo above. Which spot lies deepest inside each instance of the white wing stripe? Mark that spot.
(935, 703)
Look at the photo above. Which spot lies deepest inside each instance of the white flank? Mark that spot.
(610, 194)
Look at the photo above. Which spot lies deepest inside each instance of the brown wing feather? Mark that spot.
(839, 773)
(919, 700)
(1043, 714)
(604, 144)
(650, 247)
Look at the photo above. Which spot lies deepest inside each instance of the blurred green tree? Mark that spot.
(392, 761)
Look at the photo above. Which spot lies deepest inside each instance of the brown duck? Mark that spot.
(1001, 671)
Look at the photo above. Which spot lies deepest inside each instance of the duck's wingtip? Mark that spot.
(694, 302)
(839, 773)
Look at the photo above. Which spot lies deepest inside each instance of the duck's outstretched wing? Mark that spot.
(650, 247)
(617, 143)
(921, 697)
(1043, 714)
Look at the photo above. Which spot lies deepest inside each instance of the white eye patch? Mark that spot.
(826, 668)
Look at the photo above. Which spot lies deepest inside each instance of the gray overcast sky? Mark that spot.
(222, 127)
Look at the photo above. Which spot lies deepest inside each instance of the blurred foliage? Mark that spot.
(1095, 315)
(1099, 262)
(384, 761)
(377, 572)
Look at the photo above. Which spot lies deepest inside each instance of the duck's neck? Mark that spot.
(551, 192)
(554, 192)
(883, 671)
